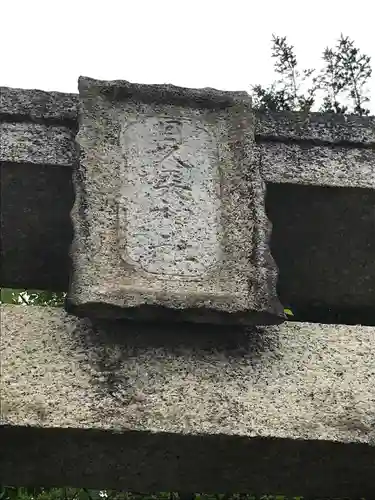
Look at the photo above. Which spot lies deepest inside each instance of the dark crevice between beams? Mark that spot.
(307, 313)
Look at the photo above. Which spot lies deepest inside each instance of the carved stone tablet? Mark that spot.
(169, 214)
(169, 210)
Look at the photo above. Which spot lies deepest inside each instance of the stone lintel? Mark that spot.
(318, 128)
(288, 409)
(37, 143)
(36, 105)
(317, 165)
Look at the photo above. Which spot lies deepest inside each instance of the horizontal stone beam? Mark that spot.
(38, 105)
(58, 107)
(317, 128)
(293, 163)
(283, 162)
(37, 143)
(287, 409)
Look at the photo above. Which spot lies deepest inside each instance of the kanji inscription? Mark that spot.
(169, 210)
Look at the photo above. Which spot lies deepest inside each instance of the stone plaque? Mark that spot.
(169, 215)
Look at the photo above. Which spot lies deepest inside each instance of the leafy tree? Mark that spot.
(340, 85)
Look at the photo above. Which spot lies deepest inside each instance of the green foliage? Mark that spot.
(346, 74)
(288, 93)
(9, 296)
(340, 85)
(7, 493)
(288, 311)
(32, 297)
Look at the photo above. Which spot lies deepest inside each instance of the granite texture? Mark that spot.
(293, 163)
(34, 105)
(169, 217)
(37, 143)
(217, 408)
(319, 128)
(38, 105)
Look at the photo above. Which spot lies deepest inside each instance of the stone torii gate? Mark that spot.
(181, 222)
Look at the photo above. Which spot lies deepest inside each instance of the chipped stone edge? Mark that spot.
(117, 89)
(264, 262)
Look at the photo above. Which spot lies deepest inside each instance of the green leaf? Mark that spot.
(288, 311)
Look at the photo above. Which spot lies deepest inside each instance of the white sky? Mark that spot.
(226, 45)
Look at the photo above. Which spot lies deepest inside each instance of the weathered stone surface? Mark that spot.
(176, 408)
(317, 128)
(169, 214)
(287, 126)
(35, 105)
(317, 165)
(37, 143)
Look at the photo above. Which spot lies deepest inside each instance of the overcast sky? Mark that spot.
(205, 43)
